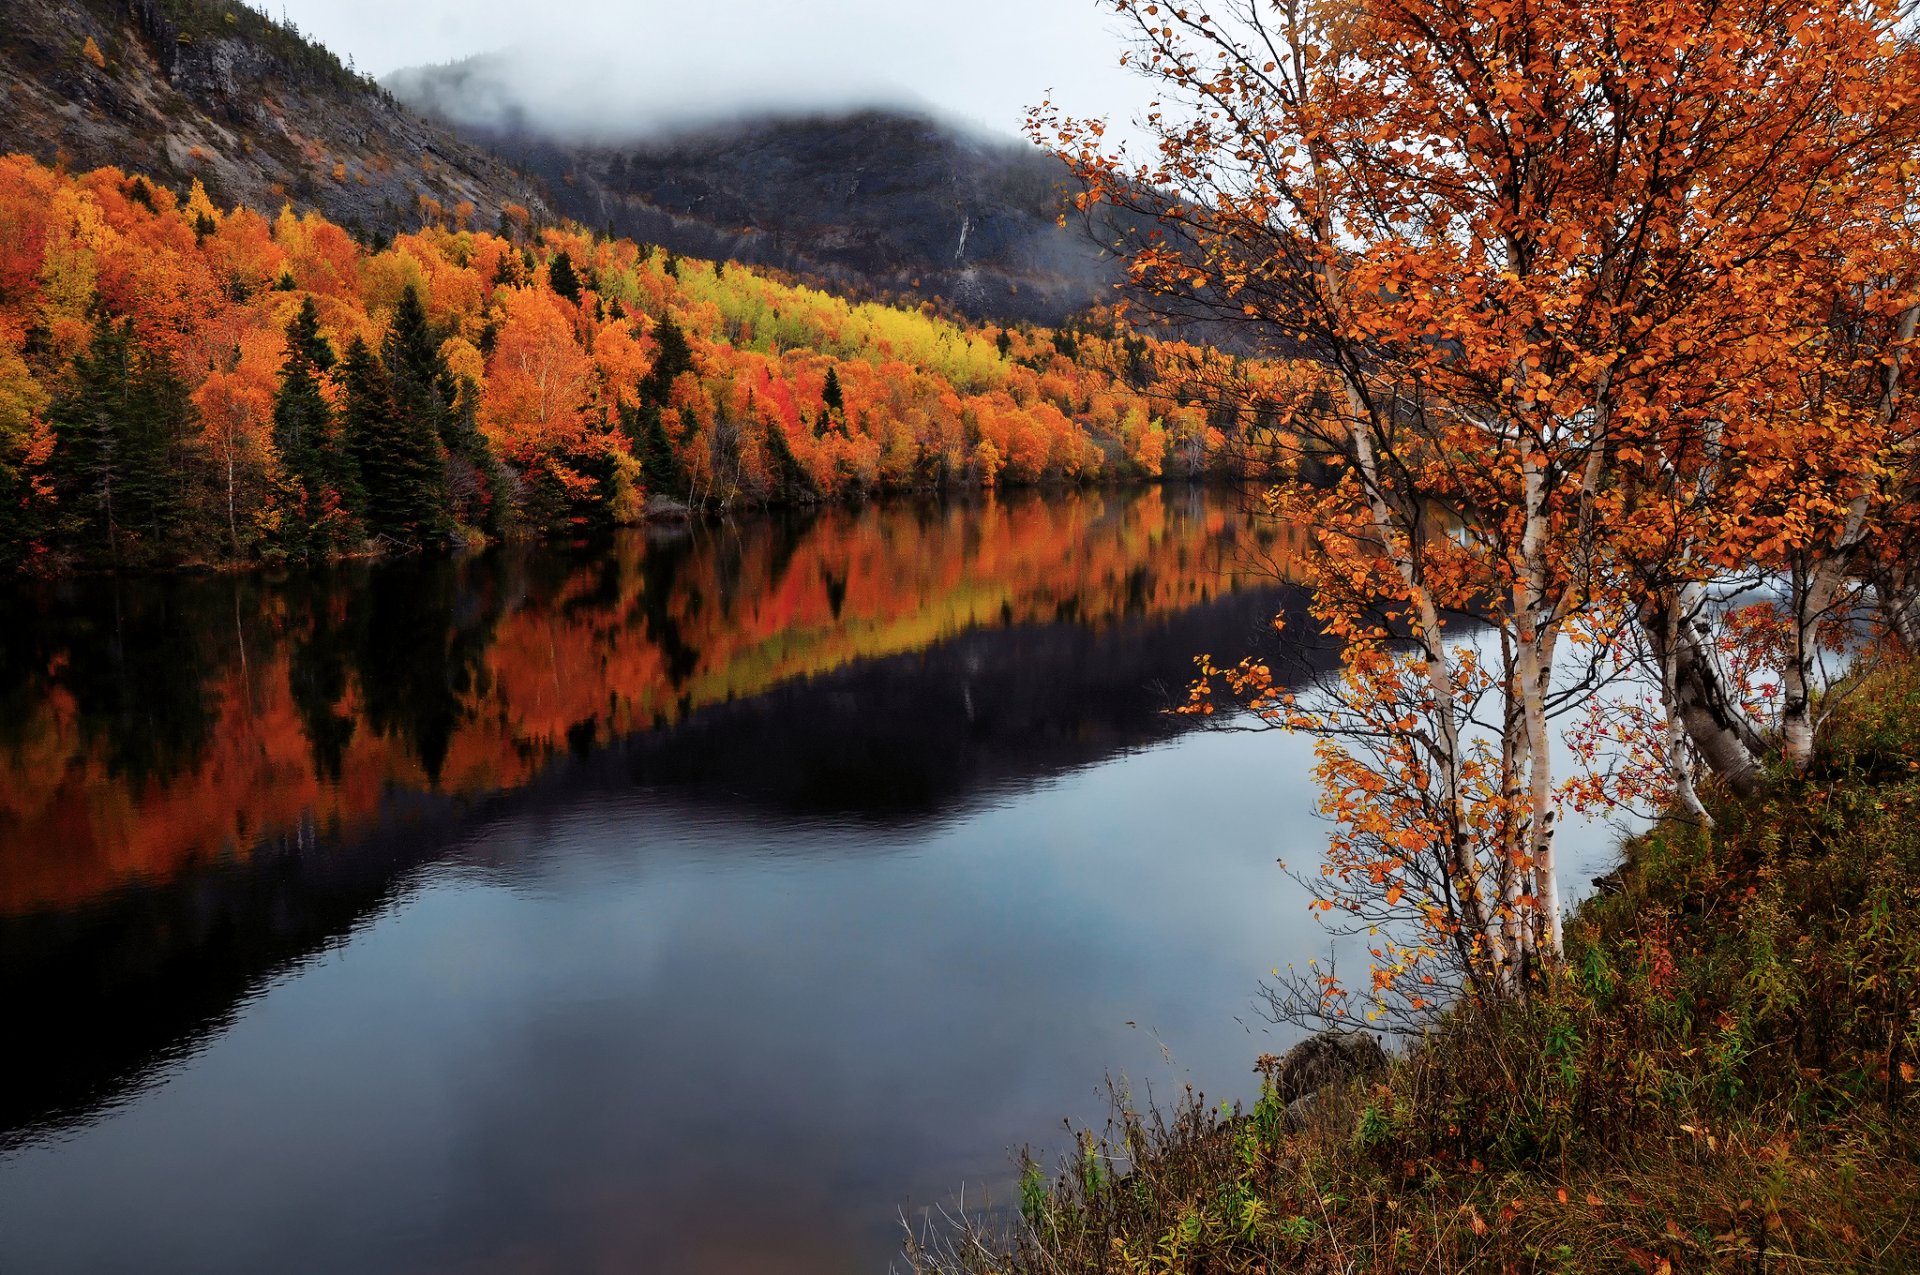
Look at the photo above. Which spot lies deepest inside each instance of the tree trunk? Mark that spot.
(1900, 611)
(1478, 913)
(233, 523)
(1713, 720)
(1679, 760)
(1535, 642)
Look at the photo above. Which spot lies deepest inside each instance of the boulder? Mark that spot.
(667, 509)
(1320, 1061)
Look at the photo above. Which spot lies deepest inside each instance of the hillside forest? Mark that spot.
(186, 384)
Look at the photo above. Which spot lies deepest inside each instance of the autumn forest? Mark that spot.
(181, 383)
(606, 683)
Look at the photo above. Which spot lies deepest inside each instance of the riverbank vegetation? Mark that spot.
(1720, 1076)
(182, 383)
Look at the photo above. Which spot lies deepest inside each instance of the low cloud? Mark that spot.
(583, 96)
(614, 69)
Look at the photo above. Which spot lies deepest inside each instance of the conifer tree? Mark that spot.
(116, 430)
(645, 425)
(659, 465)
(789, 478)
(407, 483)
(319, 488)
(398, 456)
(475, 478)
(673, 358)
(562, 277)
(830, 395)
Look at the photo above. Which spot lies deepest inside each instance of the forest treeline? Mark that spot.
(185, 384)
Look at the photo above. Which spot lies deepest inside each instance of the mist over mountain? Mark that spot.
(850, 183)
(611, 97)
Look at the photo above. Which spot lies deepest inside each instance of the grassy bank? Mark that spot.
(1722, 1078)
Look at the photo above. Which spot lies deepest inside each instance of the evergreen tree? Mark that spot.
(645, 425)
(509, 272)
(789, 478)
(117, 429)
(319, 488)
(673, 358)
(403, 478)
(659, 465)
(407, 486)
(830, 394)
(475, 478)
(562, 278)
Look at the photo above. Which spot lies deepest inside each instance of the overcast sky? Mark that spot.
(982, 62)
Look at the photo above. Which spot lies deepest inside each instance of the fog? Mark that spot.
(608, 69)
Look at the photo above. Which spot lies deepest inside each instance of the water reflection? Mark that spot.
(704, 891)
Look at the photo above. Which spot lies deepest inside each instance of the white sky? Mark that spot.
(984, 62)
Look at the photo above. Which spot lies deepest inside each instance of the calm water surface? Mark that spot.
(697, 903)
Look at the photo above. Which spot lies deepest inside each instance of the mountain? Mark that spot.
(212, 90)
(868, 201)
(872, 199)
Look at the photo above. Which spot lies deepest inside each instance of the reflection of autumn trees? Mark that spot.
(317, 392)
(153, 723)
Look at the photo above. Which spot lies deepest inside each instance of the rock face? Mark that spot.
(1301, 1075)
(211, 89)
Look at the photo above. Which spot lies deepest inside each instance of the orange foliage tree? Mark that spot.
(1551, 265)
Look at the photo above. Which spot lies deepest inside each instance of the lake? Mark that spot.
(702, 901)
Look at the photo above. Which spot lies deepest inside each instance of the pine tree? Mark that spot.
(319, 487)
(475, 478)
(659, 465)
(673, 358)
(789, 478)
(830, 395)
(401, 474)
(116, 433)
(509, 272)
(562, 277)
(407, 486)
(645, 424)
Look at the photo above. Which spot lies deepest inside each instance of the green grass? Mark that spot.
(1721, 1078)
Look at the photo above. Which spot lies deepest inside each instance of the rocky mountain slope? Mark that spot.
(211, 89)
(884, 200)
